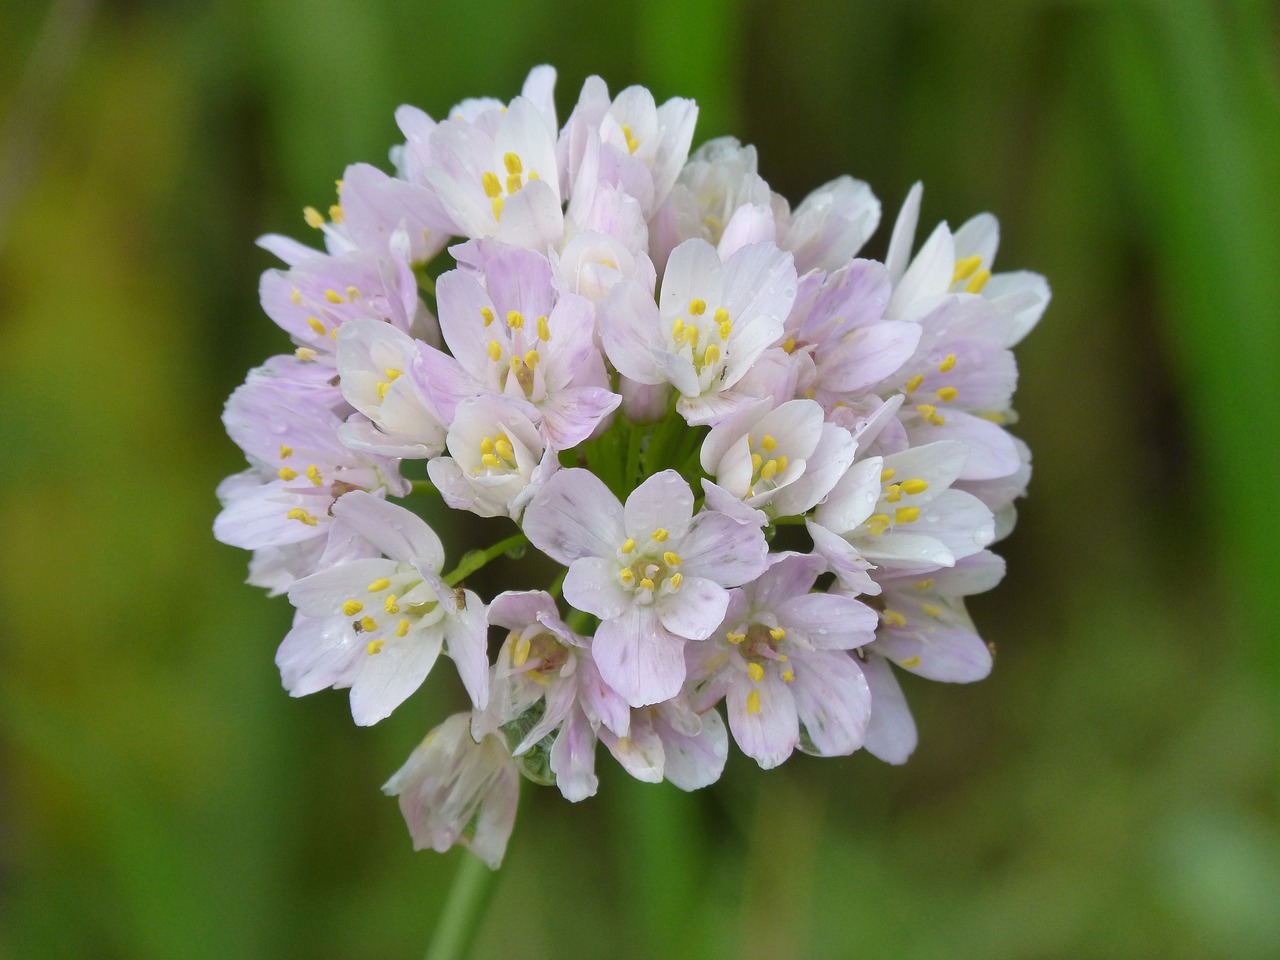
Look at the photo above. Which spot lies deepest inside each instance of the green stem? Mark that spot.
(475, 559)
(462, 911)
(637, 433)
(558, 583)
(423, 486)
(797, 521)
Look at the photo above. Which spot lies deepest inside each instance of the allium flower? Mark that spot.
(768, 471)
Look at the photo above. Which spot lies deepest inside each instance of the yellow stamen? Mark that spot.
(768, 444)
(374, 646)
(677, 329)
(504, 449)
(544, 331)
(492, 185)
(494, 350)
(305, 354)
(531, 359)
(735, 637)
(632, 142)
(914, 485)
(711, 356)
(977, 281)
(390, 604)
(697, 307)
(285, 452)
(628, 545)
(486, 445)
(756, 460)
(295, 296)
(316, 326)
(788, 676)
(931, 609)
(520, 655)
(893, 492)
(512, 162)
(721, 315)
(285, 474)
(515, 319)
(297, 513)
(383, 387)
(313, 474)
(789, 345)
(368, 624)
(778, 633)
(335, 213)
(402, 628)
(675, 580)
(925, 584)
(671, 559)
(490, 461)
(755, 671)
(516, 364)
(947, 363)
(626, 576)
(910, 663)
(313, 217)
(724, 330)
(333, 296)
(782, 463)
(893, 618)
(486, 315)
(877, 523)
(514, 182)
(660, 535)
(351, 608)
(947, 394)
(753, 702)
(965, 267)
(887, 474)
(497, 208)
(769, 469)
(914, 383)
(906, 515)
(379, 585)
(646, 583)
(691, 336)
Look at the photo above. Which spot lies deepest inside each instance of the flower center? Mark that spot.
(497, 188)
(653, 570)
(391, 607)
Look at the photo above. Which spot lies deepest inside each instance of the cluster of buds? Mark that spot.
(768, 471)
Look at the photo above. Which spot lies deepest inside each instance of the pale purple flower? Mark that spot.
(453, 789)
(671, 741)
(652, 572)
(830, 225)
(378, 625)
(780, 660)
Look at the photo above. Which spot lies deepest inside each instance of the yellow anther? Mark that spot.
(910, 663)
(691, 336)
(333, 296)
(735, 637)
(893, 618)
(753, 702)
(402, 628)
(390, 604)
(335, 213)
(906, 515)
(789, 345)
(965, 267)
(721, 315)
(877, 523)
(368, 624)
(351, 608)
(520, 655)
(646, 583)
(887, 474)
(492, 185)
(755, 671)
(515, 319)
(504, 449)
(697, 307)
(285, 474)
(295, 296)
(947, 394)
(285, 452)
(305, 354)
(531, 359)
(788, 676)
(486, 445)
(671, 559)
(316, 326)
(628, 545)
(313, 217)
(313, 474)
(925, 584)
(486, 315)
(977, 281)
(914, 383)
(297, 513)
(993, 416)
(947, 363)
(379, 585)
(914, 485)
(490, 461)
(333, 334)
(512, 162)
(931, 609)
(675, 580)
(383, 387)
(544, 330)
(626, 576)
(497, 208)
(778, 633)
(769, 469)
(767, 443)
(893, 492)
(494, 350)
(724, 330)
(929, 412)
(660, 535)
(782, 658)
(514, 182)
(338, 185)
(632, 142)
(782, 463)
(374, 646)
(677, 329)
(711, 356)
(516, 364)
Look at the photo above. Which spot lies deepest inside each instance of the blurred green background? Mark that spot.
(1110, 791)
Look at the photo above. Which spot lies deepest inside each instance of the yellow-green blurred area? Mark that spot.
(1111, 789)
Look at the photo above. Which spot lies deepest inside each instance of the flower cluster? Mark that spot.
(767, 469)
